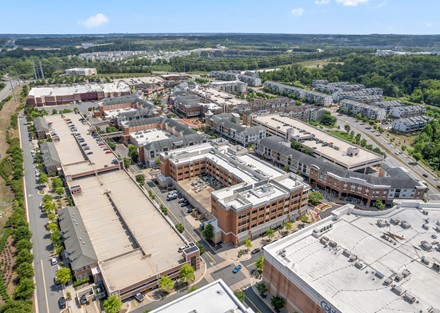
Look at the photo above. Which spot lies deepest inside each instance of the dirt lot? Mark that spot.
(317, 63)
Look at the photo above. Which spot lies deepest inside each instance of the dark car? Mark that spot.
(236, 269)
(425, 175)
(256, 250)
(62, 303)
(438, 186)
(183, 204)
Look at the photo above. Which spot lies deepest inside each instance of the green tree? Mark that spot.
(22, 232)
(23, 244)
(25, 270)
(192, 288)
(163, 208)
(63, 275)
(55, 237)
(140, 179)
(57, 182)
(187, 274)
(379, 204)
(240, 295)
(59, 191)
(43, 179)
(21, 306)
(278, 303)
(270, 233)
(288, 226)
(315, 197)
(127, 162)
(259, 263)
(166, 284)
(262, 289)
(328, 119)
(347, 128)
(208, 232)
(201, 248)
(133, 153)
(111, 144)
(47, 198)
(49, 207)
(24, 289)
(248, 244)
(180, 228)
(113, 304)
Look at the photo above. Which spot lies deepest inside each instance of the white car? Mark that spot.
(53, 261)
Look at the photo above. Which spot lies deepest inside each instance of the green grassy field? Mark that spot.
(341, 134)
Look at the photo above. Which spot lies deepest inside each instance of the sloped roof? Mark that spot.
(49, 154)
(160, 145)
(76, 239)
(397, 179)
(40, 124)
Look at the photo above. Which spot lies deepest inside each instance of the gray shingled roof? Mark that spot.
(160, 145)
(40, 124)
(397, 179)
(185, 130)
(133, 98)
(49, 154)
(76, 238)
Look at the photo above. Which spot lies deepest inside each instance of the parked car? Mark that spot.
(108, 152)
(139, 297)
(53, 261)
(182, 200)
(62, 303)
(89, 153)
(256, 250)
(236, 269)
(438, 186)
(425, 175)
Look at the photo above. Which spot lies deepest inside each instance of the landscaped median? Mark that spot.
(16, 281)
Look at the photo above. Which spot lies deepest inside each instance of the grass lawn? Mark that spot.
(341, 134)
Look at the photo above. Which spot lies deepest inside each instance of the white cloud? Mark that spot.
(297, 11)
(429, 24)
(351, 3)
(381, 5)
(319, 2)
(95, 20)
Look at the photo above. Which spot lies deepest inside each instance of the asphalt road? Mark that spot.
(47, 293)
(254, 302)
(394, 160)
(5, 91)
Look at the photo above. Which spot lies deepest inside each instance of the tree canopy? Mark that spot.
(113, 304)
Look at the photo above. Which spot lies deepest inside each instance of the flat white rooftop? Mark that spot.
(219, 97)
(321, 143)
(247, 168)
(215, 297)
(365, 261)
(113, 113)
(77, 89)
(129, 244)
(144, 137)
(74, 158)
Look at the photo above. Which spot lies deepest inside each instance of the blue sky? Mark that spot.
(238, 16)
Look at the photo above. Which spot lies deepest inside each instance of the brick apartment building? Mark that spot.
(228, 124)
(342, 183)
(256, 197)
(130, 107)
(39, 96)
